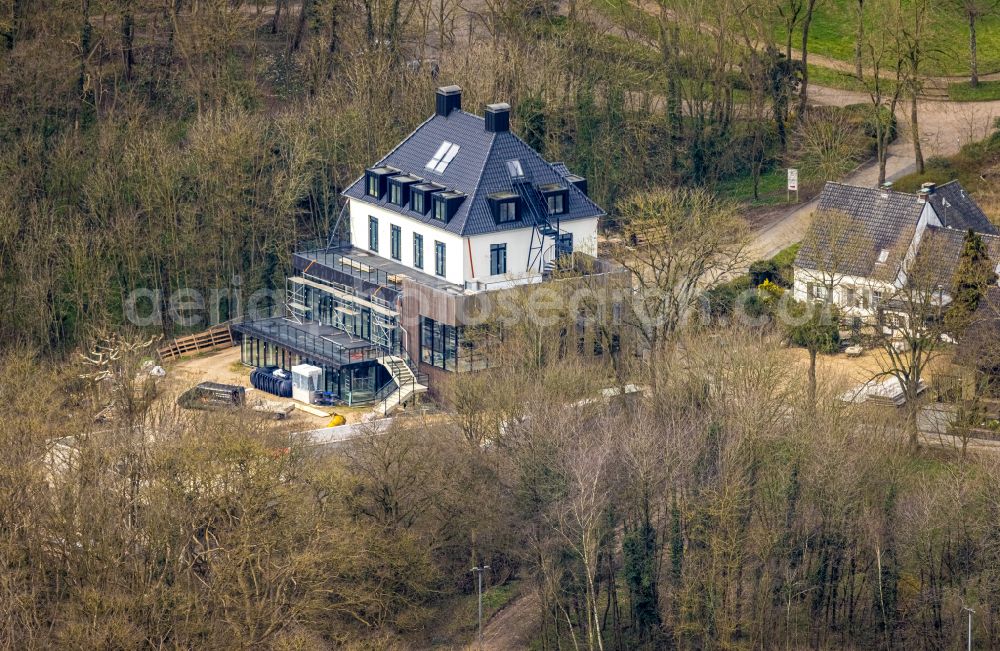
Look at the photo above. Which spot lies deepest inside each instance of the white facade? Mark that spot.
(518, 243)
(859, 296)
(466, 258)
(856, 296)
(455, 257)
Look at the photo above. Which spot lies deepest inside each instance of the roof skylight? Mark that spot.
(514, 169)
(883, 255)
(444, 155)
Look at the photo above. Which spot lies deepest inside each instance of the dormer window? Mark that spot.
(556, 198)
(420, 196)
(399, 189)
(376, 181)
(446, 204)
(504, 206)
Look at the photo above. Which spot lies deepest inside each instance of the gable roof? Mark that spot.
(874, 221)
(478, 170)
(957, 209)
(877, 221)
(941, 249)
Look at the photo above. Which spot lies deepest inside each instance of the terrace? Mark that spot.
(319, 343)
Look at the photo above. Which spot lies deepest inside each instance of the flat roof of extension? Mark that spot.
(319, 343)
(333, 257)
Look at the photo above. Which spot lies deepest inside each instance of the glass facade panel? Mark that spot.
(453, 348)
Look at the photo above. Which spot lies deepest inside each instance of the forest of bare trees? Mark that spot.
(734, 503)
(721, 510)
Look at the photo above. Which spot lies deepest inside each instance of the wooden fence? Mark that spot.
(211, 339)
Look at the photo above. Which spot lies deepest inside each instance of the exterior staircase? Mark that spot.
(408, 384)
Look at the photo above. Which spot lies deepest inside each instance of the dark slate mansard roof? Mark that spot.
(479, 169)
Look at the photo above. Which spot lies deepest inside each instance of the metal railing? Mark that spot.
(335, 258)
(310, 344)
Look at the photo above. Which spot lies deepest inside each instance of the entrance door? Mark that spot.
(564, 244)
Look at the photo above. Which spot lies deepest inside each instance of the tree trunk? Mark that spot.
(128, 40)
(912, 427)
(882, 152)
(812, 377)
(973, 52)
(86, 31)
(277, 15)
(859, 39)
(301, 27)
(918, 154)
(804, 95)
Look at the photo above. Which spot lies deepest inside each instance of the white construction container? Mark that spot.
(305, 382)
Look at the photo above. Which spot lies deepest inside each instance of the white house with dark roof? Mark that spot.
(465, 199)
(460, 210)
(863, 241)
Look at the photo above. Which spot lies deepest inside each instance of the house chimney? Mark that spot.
(498, 117)
(929, 187)
(449, 98)
(886, 187)
(922, 195)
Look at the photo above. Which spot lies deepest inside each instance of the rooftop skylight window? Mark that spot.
(444, 155)
(883, 255)
(514, 169)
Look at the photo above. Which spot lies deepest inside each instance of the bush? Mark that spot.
(764, 271)
(722, 299)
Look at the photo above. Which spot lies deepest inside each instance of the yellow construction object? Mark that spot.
(337, 421)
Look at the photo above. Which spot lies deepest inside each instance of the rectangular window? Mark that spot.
(373, 234)
(373, 186)
(556, 203)
(498, 259)
(418, 250)
(395, 242)
(507, 211)
(439, 258)
(417, 202)
(396, 194)
(440, 210)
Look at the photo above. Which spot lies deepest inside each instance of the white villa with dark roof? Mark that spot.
(863, 241)
(460, 209)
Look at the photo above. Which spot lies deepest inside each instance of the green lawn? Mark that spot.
(773, 184)
(834, 26)
(986, 91)
(968, 166)
(834, 79)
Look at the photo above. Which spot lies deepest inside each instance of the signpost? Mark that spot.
(793, 183)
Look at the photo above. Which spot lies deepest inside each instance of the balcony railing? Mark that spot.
(308, 343)
(334, 257)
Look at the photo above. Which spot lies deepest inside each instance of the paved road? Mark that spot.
(792, 223)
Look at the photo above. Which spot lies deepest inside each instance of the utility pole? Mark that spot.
(971, 613)
(479, 576)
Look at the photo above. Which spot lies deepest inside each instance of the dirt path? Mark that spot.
(934, 86)
(513, 627)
